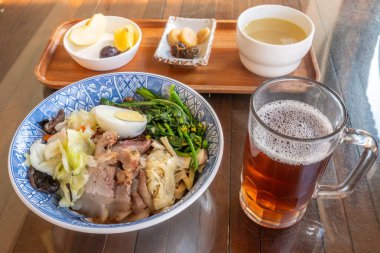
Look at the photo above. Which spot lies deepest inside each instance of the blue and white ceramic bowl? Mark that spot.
(84, 95)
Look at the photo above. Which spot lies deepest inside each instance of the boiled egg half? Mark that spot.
(126, 123)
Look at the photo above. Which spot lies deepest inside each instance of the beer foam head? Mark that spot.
(294, 119)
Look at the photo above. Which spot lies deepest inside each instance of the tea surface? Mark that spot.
(274, 31)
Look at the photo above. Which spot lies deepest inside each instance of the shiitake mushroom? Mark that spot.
(49, 125)
(190, 52)
(42, 181)
(180, 50)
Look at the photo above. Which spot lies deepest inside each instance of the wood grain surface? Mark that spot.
(347, 49)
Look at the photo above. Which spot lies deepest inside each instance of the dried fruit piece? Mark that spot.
(124, 38)
(108, 51)
(173, 36)
(188, 37)
(203, 35)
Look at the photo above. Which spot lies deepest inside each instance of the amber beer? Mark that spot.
(279, 175)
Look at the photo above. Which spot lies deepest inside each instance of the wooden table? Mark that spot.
(347, 48)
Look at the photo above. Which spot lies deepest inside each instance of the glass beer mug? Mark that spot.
(294, 126)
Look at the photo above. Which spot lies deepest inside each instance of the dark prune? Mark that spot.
(108, 51)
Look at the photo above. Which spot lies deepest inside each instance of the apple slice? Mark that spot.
(98, 23)
(83, 36)
(88, 34)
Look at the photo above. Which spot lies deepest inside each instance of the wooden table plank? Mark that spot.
(238, 7)
(68, 241)
(124, 242)
(220, 187)
(27, 98)
(357, 105)
(19, 21)
(244, 233)
(345, 43)
(39, 240)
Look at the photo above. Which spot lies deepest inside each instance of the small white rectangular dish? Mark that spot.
(163, 52)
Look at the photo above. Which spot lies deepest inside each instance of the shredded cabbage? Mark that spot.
(64, 157)
(160, 178)
(38, 160)
(82, 118)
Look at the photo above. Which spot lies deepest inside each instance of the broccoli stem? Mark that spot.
(193, 153)
(175, 98)
(156, 101)
(147, 94)
(168, 128)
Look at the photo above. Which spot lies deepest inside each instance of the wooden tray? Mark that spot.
(223, 74)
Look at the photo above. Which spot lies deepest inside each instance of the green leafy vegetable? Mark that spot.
(171, 118)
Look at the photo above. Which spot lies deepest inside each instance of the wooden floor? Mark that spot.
(348, 52)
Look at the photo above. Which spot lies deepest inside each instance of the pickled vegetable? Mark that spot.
(177, 49)
(203, 35)
(188, 37)
(180, 50)
(173, 36)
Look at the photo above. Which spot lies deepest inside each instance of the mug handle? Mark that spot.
(367, 158)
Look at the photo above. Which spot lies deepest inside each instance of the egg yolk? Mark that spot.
(130, 116)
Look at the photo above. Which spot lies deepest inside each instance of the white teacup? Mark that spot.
(272, 60)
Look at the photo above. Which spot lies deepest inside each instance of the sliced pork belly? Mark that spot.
(116, 189)
(130, 161)
(98, 193)
(120, 208)
(140, 210)
(106, 158)
(140, 145)
(108, 139)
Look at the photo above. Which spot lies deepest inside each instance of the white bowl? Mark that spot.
(88, 56)
(271, 60)
(163, 52)
(86, 94)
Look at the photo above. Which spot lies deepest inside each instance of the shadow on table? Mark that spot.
(46, 91)
(305, 236)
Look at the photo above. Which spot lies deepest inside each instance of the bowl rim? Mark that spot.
(139, 224)
(65, 41)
